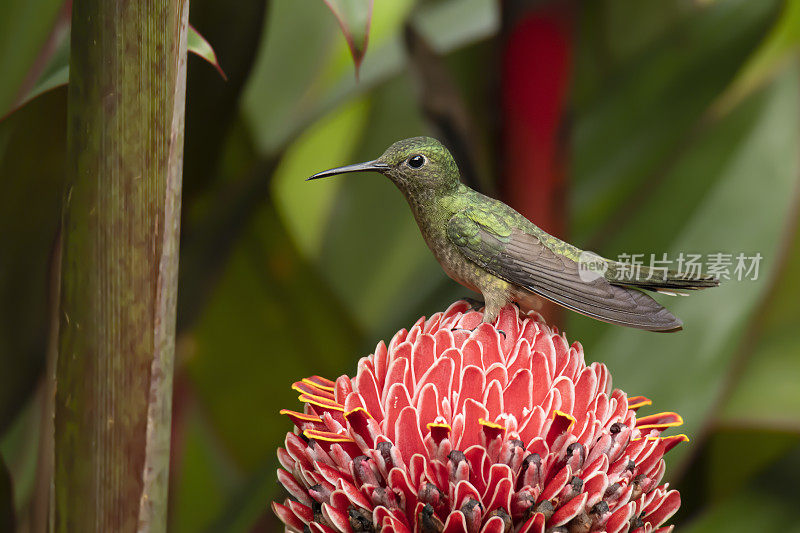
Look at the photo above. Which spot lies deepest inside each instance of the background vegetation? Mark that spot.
(625, 126)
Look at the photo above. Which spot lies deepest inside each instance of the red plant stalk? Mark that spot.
(536, 70)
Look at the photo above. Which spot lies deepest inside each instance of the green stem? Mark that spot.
(119, 266)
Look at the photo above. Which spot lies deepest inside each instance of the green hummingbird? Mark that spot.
(490, 248)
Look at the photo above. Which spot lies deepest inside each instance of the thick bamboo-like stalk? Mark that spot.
(119, 266)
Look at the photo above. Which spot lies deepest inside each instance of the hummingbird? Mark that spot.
(490, 248)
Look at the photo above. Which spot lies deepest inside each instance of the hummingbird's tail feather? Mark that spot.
(659, 280)
(605, 302)
(671, 292)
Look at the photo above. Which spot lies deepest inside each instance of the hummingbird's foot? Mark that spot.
(474, 304)
(500, 331)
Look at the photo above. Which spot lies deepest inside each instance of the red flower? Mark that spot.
(460, 426)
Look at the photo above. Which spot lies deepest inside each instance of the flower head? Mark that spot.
(460, 426)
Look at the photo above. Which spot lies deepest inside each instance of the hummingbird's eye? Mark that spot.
(416, 161)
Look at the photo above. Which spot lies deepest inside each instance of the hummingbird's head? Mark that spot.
(416, 165)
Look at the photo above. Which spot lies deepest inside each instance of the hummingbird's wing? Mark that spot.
(523, 259)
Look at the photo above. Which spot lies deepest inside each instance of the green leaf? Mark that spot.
(56, 71)
(685, 372)
(32, 168)
(20, 447)
(6, 499)
(56, 68)
(288, 92)
(766, 503)
(270, 322)
(197, 44)
(354, 17)
(306, 207)
(25, 27)
(204, 473)
(766, 394)
(749, 511)
(451, 24)
(737, 455)
(779, 47)
(630, 130)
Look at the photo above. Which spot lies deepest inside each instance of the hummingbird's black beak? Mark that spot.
(369, 166)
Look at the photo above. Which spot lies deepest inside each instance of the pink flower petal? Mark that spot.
(428, 405)
(480, 465)
(407, 434)
(316, 527)
(416, 469)
(674, 440)
(286, 516)
(497, 372)
(519, 393)
(649, 463)
(381, 363)
(401, 484)
(668, 507)
(354, 495)
(558, 482)
(336, 518)
(464, 492)
(398, 339)
(489, 338)
(422, 356)
(455, 523)
(568, 511)
(532, 426)
(470, 321)
(585, 391)
(618, 520)
(342, 387)
(595, 487)
(473, 383)
(501, 496)
(493, 400)
(396, 401)
(367, 386)
(564, 386)
(535, 524)
(444, 341)
(540, 369)
(562, 355)
(331, 473)
(473, 413)
(286, 460)
(494, 525)
(303, 512)
(520, 358)
(544, 344)
(292, 487)
(508, 323)
(472, 353)
(338, 500)
(440, 374)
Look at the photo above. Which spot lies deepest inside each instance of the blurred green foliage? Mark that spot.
(685, 125)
